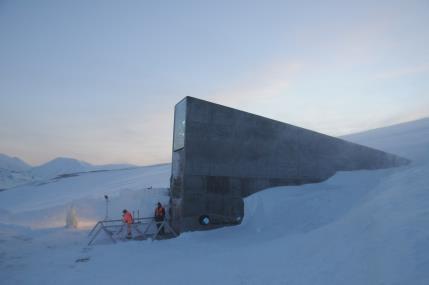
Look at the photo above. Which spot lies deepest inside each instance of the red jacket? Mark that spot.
(160, 212)
(127, 218)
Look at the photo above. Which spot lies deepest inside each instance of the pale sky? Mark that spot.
(98, 80)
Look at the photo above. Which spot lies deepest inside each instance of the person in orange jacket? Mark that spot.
(128, 219)
(159, 217)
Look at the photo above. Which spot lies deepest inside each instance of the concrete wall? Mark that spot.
(230, 154)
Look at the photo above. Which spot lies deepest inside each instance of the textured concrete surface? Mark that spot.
(229, 154)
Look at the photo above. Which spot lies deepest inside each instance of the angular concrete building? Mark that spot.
(221, 155)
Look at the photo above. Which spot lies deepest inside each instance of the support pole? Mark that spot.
(107, 207)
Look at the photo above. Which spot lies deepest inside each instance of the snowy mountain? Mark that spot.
(13, 163)
(358, 227)
(60, 166)
(14, 171)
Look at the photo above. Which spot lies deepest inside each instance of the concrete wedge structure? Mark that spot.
(221, 155)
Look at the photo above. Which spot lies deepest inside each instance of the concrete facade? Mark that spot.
(221, 155)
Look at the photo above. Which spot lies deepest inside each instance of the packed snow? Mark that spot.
(360, 227)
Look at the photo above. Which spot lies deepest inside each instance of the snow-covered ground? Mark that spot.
(44, 205)
(361, 227)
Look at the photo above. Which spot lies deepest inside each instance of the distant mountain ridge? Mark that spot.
(13, 163)
(59, 166)
(14, 171)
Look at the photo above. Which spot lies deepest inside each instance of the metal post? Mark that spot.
(107, 207)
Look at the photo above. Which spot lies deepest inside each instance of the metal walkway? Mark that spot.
(141, 229)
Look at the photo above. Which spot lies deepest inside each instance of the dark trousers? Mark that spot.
(159, 220)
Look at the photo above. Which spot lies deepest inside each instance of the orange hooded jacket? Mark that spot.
(128, 218)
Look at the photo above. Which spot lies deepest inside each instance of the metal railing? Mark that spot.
(114, 229)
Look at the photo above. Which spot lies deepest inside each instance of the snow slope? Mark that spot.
(11, 178)
(13, 163)
(59, 166)
(63, 165)
(45, 204)
(15, 172)
(361, 227)
(409, 139)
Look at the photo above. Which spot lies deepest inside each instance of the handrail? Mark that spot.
(135, 221)
(105, 225)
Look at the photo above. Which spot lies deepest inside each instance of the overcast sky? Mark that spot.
(98, 80)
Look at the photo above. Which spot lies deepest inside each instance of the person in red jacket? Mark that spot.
(128, 219)
(159, 217)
